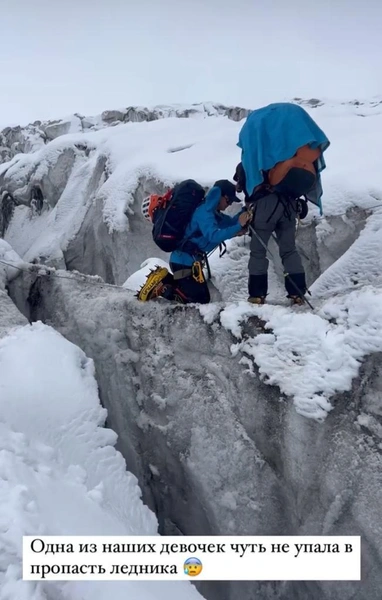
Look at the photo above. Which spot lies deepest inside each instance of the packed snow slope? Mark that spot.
(235, 418)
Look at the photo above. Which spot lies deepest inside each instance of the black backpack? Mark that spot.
(172, 216)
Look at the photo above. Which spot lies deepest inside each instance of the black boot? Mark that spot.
(257, 288)
(299, 287)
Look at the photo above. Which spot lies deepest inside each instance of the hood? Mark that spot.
(212, 199)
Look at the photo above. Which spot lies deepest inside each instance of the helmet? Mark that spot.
(145, 208)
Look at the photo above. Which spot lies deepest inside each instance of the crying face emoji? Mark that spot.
(193, 567)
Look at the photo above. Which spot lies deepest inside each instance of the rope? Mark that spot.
(32, 269)
(14, 266)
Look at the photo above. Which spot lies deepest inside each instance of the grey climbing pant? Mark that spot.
(274, 215)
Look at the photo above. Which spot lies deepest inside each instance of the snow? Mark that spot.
(359, 266)
(59, 471)
(10, 263)
(310, 356)
(172, 149)
(47, 234)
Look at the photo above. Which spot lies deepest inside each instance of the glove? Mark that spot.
(244, 218)
(302, 208)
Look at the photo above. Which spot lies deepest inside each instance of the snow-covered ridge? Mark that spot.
(357, 104)
(31, 137)
(88, 185)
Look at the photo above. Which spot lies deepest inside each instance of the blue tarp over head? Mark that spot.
(274, 133)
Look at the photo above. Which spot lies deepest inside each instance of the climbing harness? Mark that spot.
(197, 272)
(196, 269)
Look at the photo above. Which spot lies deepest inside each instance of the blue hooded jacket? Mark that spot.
(207, 229)
(274, 133)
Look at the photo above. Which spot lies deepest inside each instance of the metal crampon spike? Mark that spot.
(158, 274)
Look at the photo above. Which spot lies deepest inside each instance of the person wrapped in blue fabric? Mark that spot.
(281, 161)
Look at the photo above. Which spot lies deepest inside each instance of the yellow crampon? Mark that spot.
(153, 284)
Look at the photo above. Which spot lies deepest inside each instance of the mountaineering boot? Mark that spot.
(155, 285)
(295, 284)
(297, 300)
(256, 299)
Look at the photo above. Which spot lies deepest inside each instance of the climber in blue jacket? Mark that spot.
(207, 229)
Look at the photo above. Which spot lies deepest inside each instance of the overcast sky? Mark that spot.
(63, 56)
